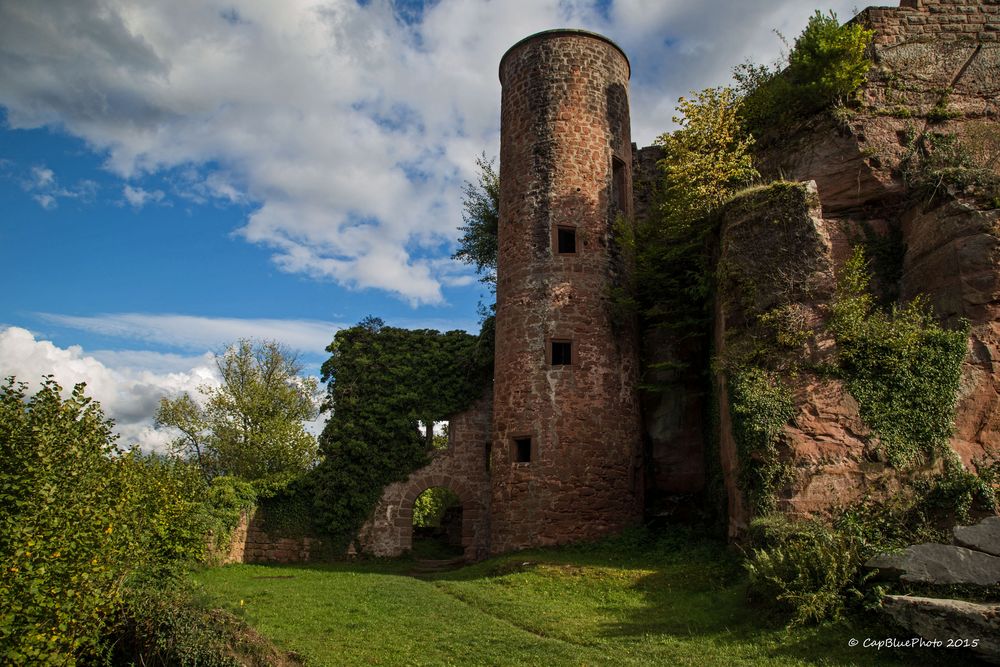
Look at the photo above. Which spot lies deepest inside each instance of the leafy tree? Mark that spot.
(481, 201)
(828, 61)
(382, 381)
(706, 159)
(430, 506)
(251, 426)
(78, 520)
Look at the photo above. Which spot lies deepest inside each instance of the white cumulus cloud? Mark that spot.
(350, 126)
(128, 386)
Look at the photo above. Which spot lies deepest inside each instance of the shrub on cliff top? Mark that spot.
(827, 63)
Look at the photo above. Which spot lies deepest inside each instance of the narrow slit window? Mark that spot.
(562, 353)
(566, 240)
(522, 450)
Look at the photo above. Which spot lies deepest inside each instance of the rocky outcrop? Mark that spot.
(952, 258)
(775, 268)
(984, 536)
(972, 562)
(938, 565)
(975, 626)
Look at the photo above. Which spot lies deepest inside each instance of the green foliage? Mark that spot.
(814, 570)
(969, 163)
(430, 506)
(481, 201)
(225, 500)
(78, 520)
(707, 158)
(902, 367)
(164, 623)
(827, 63)
(251, 426)
(760, 406)
(956, 493)
(58, 511)
(705, 161)
(805, 567)
(289, 511)
(382, 381)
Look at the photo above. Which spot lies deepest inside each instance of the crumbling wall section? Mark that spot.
(463, 467)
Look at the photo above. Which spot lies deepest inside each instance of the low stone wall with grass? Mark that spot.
(252, 543)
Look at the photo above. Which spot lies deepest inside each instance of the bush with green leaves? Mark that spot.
(813, 569)
(705, 160)
(79, 519)
(430, 506)
(827, 63)
(806, 567)
(937, 162)
(166, 623)
(901, 366)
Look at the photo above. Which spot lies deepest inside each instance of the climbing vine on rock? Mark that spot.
(761, 406)
(383, 383)
(901, 366)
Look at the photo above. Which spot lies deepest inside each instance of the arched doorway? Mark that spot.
(437, 524)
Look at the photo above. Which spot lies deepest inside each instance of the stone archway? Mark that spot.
(472, 512)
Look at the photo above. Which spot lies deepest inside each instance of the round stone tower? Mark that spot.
(566, 451)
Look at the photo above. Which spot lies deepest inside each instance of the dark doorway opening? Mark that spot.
(437, 524)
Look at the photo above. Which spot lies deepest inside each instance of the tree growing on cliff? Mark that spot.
(705, 160)
(251, 426)
(826, 64)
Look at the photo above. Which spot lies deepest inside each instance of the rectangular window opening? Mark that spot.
(522, 450)
(562, 353)
(566, 240)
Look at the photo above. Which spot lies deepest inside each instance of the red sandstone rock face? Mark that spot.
(953, 257)
(564, 119)
(952, 248)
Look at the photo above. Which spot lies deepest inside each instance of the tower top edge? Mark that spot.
(564, 32)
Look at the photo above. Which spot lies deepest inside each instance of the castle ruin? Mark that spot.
(559, 449)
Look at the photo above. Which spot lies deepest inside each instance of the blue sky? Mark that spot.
(176, 175)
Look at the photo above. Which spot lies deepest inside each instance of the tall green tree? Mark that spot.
(481, 215)
(705, 160)
(252, 425)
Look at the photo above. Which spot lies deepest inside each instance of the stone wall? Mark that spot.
(250, 543)
(462, 467)
(938, 20)
(565, 161)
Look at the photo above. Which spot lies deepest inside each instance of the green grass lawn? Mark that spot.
(621, 602)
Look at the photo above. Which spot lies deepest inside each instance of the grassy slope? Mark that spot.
(615, 603)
